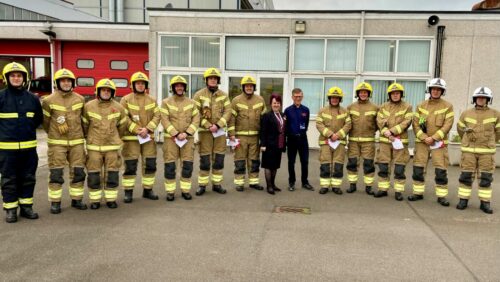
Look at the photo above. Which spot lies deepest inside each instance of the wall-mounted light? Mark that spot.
(300, 26)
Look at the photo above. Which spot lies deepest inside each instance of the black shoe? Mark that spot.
(291, 187)
(270, 190)
(186, 196)
(380, 194)
(55, 207)
(308, 186)
(170, 197)
(200, 191)
(112, 205)
(129, 196)
(352, 188)
(149, 194)
(398, 196)
(323, 190)
(443, 202)
(485, 207)
(276, 189)
(368, 190)
(11, 215)
(239, 188)
(256, 187)
(337, 191)
(415, 197)
(27, 212)
(78, 204)
(218, 189)
(95, 206)
(462, 204)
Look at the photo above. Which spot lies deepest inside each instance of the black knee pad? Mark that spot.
(368, 166)
(255, 166)
(338, 170)
(187, 169)
(78, 175)
(441, 176)
(485, 179)
(399, 172)
(324, 171)
(239, 167)
(418, 174)
(383, 170)
(218, 161)
(352, 164)
(150, 166)
(94, 180)
(205, 162)
(112, 181)
(56, 176)
(130, 167)
(169, 171)
(466, 178)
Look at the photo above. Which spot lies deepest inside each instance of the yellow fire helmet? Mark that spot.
(178, 79)
(138, 76)
(335, 92)
(396, 87)
(212, 72)
(248, 80)
(105, 83)
(64, 73)
(13, 67)
(364, 86)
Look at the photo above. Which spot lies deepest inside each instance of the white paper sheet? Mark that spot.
(234, 143)
(219, 132)
(144, 140)
(397, 144)
(333, 144)
(180, 143)
(436, 145)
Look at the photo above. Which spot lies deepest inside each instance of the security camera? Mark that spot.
(433, 20)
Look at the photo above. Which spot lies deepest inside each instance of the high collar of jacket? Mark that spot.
(64, 93)
(16, 90)
(484, 108)
(179, 98)
(434, 101)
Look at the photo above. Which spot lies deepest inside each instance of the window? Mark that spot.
(175, 51)
(85, 64)
(346, 85)
(412, 56)
(85, 81)
(309, 54)
(257, 53)
(341, 55)
(119, 65)
(165, 85)
(414, 91)
(205, 52)
(313, 92)
(120, 82)
(204, 4)
(197, 83)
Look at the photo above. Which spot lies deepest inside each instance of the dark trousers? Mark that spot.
(298, 143)
(18, 169)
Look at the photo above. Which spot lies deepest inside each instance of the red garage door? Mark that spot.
(25, 48)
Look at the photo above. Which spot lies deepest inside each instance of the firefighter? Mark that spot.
(62, 121)
(479, 129)
(363, 114)
(215, 112)
(104, 121)
(333, 123)
(144, 112)
(180, 118)
(247, 110)
(20, 115)
(432, 121)
(393, 119)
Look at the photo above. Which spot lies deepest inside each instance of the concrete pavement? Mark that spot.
(237, 237)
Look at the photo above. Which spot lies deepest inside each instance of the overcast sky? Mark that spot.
(419, 5)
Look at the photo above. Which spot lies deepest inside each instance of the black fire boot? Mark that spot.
(170, 197)
(200, 191)
(256, 187)
(368, 190)
(462, 204)
(186, 196)
(27, 212)
(352, 188)
(398, 196)
(323, 190)
(78, 204)
(337, 191)
(112, 205)
(149, 194)
(239, 188)
(55, 207)
(380, 194)
(11, 215)
(95, 206)
(415, 197)
(485, 207)
(129, 196)
(218, 189)
(443, 201)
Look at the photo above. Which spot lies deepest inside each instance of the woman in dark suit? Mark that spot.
(272, 142)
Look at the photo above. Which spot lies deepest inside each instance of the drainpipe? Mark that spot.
(439, 50)
(119, 11)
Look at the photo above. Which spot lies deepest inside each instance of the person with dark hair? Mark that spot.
(297, 123)
(272, 142)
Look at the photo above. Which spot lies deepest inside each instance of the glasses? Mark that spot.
(298, 97)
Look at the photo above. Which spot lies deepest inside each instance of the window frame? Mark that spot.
(85, 59)
(118, 61)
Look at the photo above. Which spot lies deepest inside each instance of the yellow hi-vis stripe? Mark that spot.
(185, 185)
(110, 195)
(399, 187)
(239, 181)
(103, 148)
(478, 150)
(55, 194)
(324, 182)
(77, 106)
(418, 188)
(336, 182)
(169, 187)
(352, 178)
(149, 181)
(150, 106)
(217, 178)
(30, 114)
(57, 107)
(464, 192)
(11, 205)
(132, 106)
(26, 201)
(483, 193)
(9, 115)
(95, 195)
(441, 191)
(76, 191)
(128, 182)
(18, 145)
(65, 142)
(368, 180)
(95, 115)
(253, 180)
(112, 116)
(202, 180)
(383, 185)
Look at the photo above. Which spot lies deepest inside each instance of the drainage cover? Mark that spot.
(288, 209)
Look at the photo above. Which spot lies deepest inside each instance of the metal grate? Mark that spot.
(287, 209)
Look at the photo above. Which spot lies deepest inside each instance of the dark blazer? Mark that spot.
(269, 131)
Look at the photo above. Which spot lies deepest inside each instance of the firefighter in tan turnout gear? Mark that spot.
(104, 121)
(145, 115)
(479, 129)
(363, 115)
(247, 110)
(215, 113)
(393, 119)
(333, 123)
(180, 118)
(432, 122)
(62, 111)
